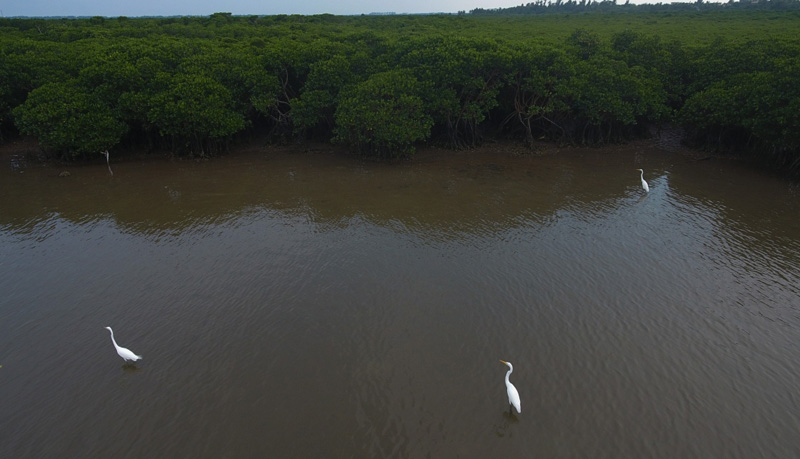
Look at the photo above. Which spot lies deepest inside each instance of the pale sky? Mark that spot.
(134, 8)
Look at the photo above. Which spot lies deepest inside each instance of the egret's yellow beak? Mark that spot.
(503, 361)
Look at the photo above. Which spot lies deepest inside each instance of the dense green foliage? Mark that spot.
(68, 117)
(383, 84)
(383, 115)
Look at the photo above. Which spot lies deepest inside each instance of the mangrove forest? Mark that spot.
(382, 85)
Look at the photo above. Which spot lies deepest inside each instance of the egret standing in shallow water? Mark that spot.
(644, 184)
(125, 353)
(513, 395)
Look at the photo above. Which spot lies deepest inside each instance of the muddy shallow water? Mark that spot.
(301, 303)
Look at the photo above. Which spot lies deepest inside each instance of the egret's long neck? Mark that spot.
(510, 369)
(641, 175)
(112, 338)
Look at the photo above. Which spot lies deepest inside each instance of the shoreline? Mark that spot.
(28, 151)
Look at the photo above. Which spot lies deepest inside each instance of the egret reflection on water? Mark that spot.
(513, 394)
(123, 352)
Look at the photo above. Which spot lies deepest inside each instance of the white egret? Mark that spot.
(644, 184)
(125, 353)
(513, 395)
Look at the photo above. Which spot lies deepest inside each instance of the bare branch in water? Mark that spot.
(108, 162)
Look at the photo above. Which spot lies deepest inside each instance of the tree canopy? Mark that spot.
(382, 85)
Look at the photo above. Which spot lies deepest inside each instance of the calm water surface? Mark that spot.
(308, 305)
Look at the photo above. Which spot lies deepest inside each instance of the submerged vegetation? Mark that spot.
(582, 73)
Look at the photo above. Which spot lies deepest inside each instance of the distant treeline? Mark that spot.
(615, 6)
(383, 85)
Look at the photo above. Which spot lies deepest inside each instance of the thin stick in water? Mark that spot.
(108, 162)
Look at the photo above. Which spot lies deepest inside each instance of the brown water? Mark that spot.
(311, 305)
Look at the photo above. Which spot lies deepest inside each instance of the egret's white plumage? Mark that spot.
(125, 353)
(513, 394)
(644, 184)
